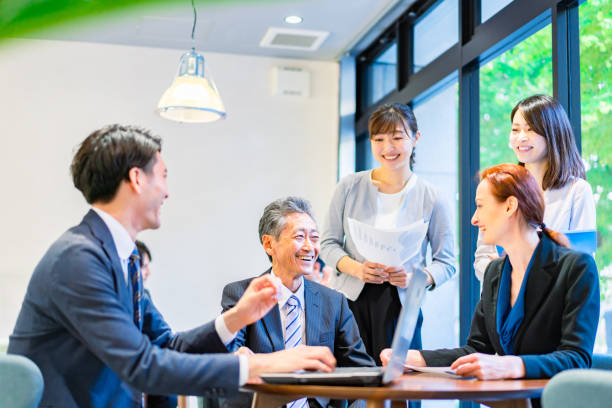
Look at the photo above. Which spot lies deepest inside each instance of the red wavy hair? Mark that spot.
(508, 180)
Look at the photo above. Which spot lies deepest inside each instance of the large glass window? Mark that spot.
(488, 8)
(523, 70)
(435, 32)
(380, 75)
(437, 162)
(596, 115)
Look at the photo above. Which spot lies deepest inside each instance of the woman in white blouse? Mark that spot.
(543, 142)
(387, 197)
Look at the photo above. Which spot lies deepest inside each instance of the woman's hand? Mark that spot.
(372, 272)
(489, 367)
(398, 276)
(414, 358)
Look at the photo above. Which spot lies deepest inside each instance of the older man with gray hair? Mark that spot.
(307, 312)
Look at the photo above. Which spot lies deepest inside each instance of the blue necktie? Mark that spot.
(136, 284)
(293, 337)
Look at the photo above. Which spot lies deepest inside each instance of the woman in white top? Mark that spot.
(389, 196)
(543, 142)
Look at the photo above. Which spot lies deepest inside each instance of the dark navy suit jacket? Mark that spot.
(561, 314)
(76, 323)
(329, 322)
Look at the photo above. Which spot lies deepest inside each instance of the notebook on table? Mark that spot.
(370, 376)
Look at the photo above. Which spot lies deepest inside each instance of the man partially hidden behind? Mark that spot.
(84, 321)
(307, 312)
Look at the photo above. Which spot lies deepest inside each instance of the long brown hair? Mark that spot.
(508, 180)
(547, 118)
(388, 117)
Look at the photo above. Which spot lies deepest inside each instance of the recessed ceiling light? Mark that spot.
(293, 19)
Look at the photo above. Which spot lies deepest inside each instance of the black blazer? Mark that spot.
(561, 314)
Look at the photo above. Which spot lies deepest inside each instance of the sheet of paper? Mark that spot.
(441, 371)
(391, 247)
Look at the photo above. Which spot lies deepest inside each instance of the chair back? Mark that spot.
(21, 382)
(578, 389)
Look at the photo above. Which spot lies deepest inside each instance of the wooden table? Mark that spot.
(412, 386)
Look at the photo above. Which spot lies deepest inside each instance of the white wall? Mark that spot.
(221, 175)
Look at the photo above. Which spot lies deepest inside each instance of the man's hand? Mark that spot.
(286, 361)
(489, 367)
(398, 276)
(244, 350)
(413, 358)
(372, 272)
(257, 300)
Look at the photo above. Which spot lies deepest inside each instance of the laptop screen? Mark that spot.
(404, 331)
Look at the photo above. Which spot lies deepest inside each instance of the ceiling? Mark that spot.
(236, 27)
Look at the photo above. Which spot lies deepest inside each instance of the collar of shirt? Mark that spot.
(285, 293)
(122, 239)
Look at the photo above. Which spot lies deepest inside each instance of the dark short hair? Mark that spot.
(105, 157)
(388, 117)
(547, 118)
(272, 222)
(142, 250)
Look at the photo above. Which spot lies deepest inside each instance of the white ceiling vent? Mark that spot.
(293, 39)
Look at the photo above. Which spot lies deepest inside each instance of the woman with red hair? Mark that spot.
(539, 306)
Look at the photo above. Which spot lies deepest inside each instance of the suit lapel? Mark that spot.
(313, 314)
(541, 276)
(101, 232)
(490, 306)
(272, 325)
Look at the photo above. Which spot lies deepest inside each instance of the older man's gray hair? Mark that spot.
(273, 221)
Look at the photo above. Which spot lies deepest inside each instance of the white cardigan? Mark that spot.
(355, 197)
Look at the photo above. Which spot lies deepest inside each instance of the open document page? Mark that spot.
(440, 371)
(391, 247)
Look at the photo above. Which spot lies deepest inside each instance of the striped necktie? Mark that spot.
(293, 336)
(136, 285)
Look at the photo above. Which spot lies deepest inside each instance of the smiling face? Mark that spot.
(528, 146)
(393, 150)
(154, 192)
(297, 247)
(490, 216)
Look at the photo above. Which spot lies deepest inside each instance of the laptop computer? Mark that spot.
(370, 376)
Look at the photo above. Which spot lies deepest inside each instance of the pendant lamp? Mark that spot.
(193, 96)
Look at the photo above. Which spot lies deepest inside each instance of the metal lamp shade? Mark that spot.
(192, 97)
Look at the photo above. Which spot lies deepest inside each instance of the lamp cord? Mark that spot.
(195, 19)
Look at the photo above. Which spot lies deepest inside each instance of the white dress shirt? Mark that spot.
(125, 246)
(123, 242)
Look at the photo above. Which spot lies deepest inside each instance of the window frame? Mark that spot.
(478, 44)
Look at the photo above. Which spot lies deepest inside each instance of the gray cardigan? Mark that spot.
(355, 197)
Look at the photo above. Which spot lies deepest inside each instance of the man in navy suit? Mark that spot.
(290, 237)
(83, 322)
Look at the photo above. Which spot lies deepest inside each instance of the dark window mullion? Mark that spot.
(566, 63)
(405, 52)
(469, 160)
